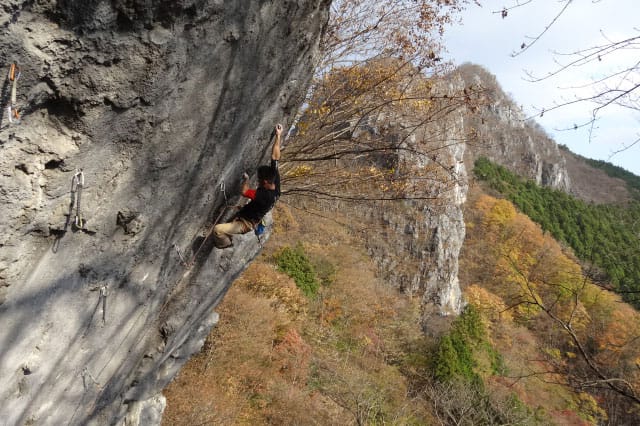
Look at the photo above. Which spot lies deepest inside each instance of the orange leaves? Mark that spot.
(294, 356)
(621, 332)
(531, 270)
(546, 290)
(331, 310)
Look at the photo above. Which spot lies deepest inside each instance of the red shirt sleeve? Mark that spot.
(250, 193)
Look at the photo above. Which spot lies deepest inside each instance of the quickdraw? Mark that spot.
(77, 184)
(103, 296)
(12, 110)
(85, 373)
(182, 259)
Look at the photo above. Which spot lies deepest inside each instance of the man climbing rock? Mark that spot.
(262, 199)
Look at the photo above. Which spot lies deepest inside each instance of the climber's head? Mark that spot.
(266, 175)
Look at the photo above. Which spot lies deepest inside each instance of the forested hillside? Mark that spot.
(548, 320)
(604, 237)
(352, 315)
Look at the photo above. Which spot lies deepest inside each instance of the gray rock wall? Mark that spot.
(161, 104)
(417, 245)
(500, 132)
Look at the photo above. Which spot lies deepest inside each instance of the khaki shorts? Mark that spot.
(223, 232)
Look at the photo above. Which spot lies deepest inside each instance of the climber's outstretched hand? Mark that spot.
(275, 151)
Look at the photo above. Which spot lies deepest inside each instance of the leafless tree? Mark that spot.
(374, 103)
(618, 87)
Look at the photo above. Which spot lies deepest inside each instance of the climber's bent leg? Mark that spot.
(222, 232)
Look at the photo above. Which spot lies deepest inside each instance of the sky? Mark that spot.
(485, 38)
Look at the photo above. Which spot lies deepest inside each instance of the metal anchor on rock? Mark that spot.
(77, 184)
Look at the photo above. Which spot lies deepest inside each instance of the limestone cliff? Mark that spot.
(501, 133)
(417, 244)
(162, 105)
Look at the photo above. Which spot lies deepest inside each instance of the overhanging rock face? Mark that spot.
(162, 105)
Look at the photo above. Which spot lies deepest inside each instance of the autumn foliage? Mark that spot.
(380, 130)
(586, 338)
(408, 30)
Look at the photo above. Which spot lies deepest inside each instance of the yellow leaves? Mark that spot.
(302, 126)
(501, 212)
(590, 408)
(554, 353)
(320, 112)
(622, 327)
(421, 105)
(489, 304)
(530, 268)
(374, 84)
(263, 279)
(299, 171)
(533, 274)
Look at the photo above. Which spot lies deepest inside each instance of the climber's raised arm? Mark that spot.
(275, 151)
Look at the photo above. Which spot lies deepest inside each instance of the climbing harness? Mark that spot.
(12, 109)
(77, 184)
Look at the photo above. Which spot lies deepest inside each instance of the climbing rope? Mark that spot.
(85, 373)
(77, 184)
(226, 206)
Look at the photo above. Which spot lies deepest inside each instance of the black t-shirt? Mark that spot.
(263, 201)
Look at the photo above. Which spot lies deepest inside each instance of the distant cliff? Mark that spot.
(161, 105)
(500, 132)
(416, 242)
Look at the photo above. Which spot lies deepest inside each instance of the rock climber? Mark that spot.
(262, 199)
